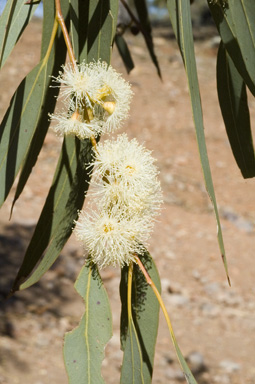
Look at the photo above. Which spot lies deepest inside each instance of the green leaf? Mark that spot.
(18, 126)
(138, 337)
(186, 370)
(65, 198)
(179, 11)
(50, 98)
(101, 29)
(124, 52)
(145, 26)
(14, 19)
(234, 107)
(236, 26)
(84, 346)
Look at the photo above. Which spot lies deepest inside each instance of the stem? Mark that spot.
(162, 305)
(158, 296)
(129, 295)
(61, 21)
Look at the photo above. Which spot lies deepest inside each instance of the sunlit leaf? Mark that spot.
(179, 11)
(138, 336)
(235, 111)
(84, 346)
(14, 19)
(18, 126)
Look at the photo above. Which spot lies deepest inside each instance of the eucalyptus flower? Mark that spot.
(127, 196)
(126, 176)
(73, 123)
(110, 237)
(98, 93)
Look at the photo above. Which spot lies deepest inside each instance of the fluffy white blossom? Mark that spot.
(128, 198)
(125, 175)
(115, 94)
(111, 238)
(80, 84)
(74, 124)
(99, 91)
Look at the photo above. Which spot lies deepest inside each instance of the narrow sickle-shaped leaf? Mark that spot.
(179, 11)
(124, 52)
(235, 111)
(139, 333)
(84, 346)
(50, 97)
(14, 19)
(101, 29)
(18, 126)
(65, 198)
(142, 11)
(235, 23)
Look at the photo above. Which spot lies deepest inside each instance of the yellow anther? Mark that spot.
(108, 228)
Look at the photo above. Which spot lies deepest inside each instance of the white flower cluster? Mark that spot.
(128, 199)
(97, 99)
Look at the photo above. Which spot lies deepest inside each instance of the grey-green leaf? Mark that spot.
(145, 26)
(14, 19)
(50, 97)
(138, 337)
(235, 23)
(65, 198)
(84, 346)
(124, 52)
(235, 111)
(101, 29)
(179, 11)
(19, 123)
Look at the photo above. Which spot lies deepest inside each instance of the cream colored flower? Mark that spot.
(79, 84)
(114, 94)
(73, 123)
(99, 89)
(125, 176)
(111, 238)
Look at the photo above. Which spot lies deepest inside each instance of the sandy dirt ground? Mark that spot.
(214, 323)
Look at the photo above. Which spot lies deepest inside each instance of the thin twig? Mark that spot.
(61, 22)
(129, 292)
